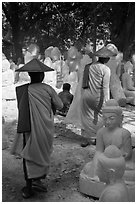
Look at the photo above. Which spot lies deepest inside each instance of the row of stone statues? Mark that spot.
(67, 71)
(111, 174)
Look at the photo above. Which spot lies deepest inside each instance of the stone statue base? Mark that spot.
(93, 187)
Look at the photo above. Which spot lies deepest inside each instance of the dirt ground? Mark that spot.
(67, 161)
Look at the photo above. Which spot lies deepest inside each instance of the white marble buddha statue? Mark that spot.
(110, 170)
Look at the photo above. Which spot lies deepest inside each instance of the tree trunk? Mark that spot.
(94, 38)
(94, 35)
(14, 22)
(17, 46)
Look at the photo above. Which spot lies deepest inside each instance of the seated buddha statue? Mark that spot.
(112, 133)
(110, 170)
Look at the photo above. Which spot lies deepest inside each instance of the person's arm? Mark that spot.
(72, 98)
(106, 82)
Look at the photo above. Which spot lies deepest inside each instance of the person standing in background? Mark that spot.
(95, 92)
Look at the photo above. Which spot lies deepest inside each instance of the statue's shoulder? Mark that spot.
(114, 193)
(126, 133)
(101, 131)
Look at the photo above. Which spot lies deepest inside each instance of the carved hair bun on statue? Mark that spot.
(47, 52)
(112, 106)
(55, 54)
(33, 49)
(112, 159)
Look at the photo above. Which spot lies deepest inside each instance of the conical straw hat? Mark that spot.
(34, 66)
(104, 52)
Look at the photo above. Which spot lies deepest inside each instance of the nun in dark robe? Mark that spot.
(37, 104)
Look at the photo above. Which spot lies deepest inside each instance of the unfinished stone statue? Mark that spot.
(110, 170)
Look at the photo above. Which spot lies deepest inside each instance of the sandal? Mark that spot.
(26, 192)
(85, 144)
(39, 185)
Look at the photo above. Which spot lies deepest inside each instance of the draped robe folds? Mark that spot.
(74, 113)
(39, 142)
(92, 98)
(84, 111)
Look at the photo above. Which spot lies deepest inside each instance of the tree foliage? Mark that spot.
(64, 23)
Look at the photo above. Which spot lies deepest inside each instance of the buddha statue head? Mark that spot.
(111, 165)
(112, 114)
